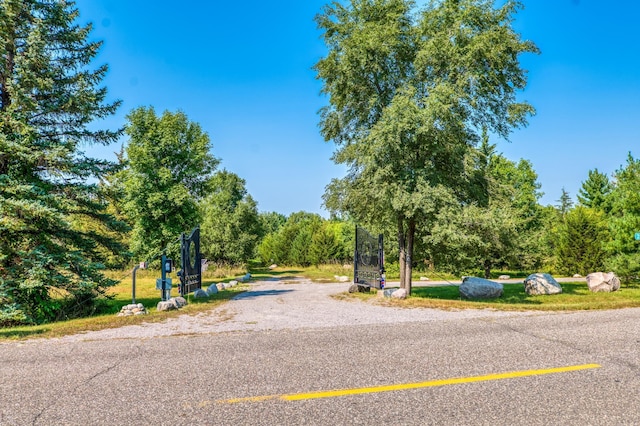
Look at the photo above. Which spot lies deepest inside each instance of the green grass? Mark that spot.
(146, 294)
(574, 297)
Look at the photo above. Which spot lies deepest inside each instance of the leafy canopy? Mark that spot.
(409, 93)
(169, 170)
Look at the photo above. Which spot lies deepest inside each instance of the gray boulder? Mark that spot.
(359, 288)
(387, 292)
(220, 286)
(479, 288)
(166, 306)
(233, 283)
(200, 294)
(603, 282)
(212, 289)
(400, 293)
(179, 301)
(539, 284)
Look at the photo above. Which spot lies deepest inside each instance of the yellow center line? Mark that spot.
(407, 386)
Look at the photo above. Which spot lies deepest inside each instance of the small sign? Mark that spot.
(168, 284)
(637, 236)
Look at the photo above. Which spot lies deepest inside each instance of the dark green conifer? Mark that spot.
(49, 265)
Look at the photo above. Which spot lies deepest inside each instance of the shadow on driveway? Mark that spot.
(259, 293)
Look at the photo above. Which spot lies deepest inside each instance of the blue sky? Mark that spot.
(242, 70)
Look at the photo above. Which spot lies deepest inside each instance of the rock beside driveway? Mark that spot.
(603, 282)
(539, 284)
(479, 288)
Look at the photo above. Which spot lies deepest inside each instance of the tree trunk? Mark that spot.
(487, 269)
(409, 256)
(405, 245)
(401, 251)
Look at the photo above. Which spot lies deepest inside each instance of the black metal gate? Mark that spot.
(368, 260)
(191, 274)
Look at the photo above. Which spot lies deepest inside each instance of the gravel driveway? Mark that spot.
(290, 304)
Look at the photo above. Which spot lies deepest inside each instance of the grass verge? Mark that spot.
(146, 294)
(574, 297)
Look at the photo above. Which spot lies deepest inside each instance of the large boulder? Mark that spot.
(603, 282)
(200, 294)
(400, 293)
(212, 289)
(538, 284)
(479, 288)
(166, 306)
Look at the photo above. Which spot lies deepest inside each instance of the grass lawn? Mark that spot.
(574, 297)
(146, 294)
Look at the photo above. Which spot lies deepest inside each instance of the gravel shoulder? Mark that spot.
(276, 305)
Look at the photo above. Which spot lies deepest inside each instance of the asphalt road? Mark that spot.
(198, 378)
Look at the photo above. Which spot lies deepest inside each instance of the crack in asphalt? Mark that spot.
(586, 351)
(136, 351)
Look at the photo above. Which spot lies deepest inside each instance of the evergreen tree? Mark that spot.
(595, 191)
(564, 203)
(624, 221)
(49, 265)
(581, 241)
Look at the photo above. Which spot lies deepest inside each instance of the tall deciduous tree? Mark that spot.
(408, 95)
(49, 94)
(230, 223)
(169, 168)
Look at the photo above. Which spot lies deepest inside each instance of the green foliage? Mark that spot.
(581, 240)
(595, 191)
(565, 203)
(49, 260)
(408, 96)
(230, 226)
(169, 168)
(308, 239)
(624, 221)
(271, 222)
(495, 227)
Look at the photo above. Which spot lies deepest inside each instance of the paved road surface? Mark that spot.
(283, 341)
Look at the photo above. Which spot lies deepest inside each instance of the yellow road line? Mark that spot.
(406, 386)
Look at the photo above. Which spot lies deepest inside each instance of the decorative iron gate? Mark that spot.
(191, 274)
(368, 260)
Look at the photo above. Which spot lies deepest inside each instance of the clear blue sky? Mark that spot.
(243, 71)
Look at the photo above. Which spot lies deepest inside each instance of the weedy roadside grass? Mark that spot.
(121, 293)
(575, 297)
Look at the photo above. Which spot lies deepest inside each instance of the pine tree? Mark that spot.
(564, 202)
(595, 191)
(49, 268)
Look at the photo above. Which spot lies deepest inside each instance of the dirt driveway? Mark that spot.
(290, 304)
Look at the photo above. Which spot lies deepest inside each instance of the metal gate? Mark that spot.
(368, 260)
(191, 274)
